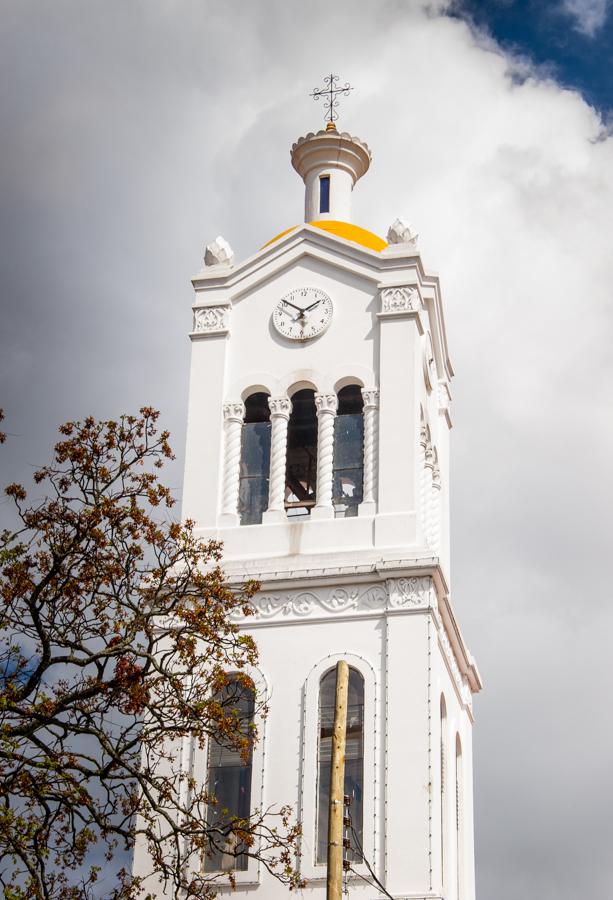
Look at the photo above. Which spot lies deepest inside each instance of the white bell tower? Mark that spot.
(318, 453)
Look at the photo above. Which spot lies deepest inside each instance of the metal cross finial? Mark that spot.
(331, 92)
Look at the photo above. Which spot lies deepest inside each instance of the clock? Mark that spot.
(303, 313)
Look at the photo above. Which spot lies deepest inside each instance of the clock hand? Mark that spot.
(299, 308)
(313, 305)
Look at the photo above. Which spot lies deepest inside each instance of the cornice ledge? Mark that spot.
(380, 570)
(467, 665)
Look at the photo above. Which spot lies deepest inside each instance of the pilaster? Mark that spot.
(401, 327)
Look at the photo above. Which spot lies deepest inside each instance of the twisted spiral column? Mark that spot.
(326, 406)
(280, 411)
(233, 414)
(371, 445)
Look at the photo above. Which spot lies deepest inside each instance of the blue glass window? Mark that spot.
(354, 760)
(255, 460)
(229, 784)
(324, 194)
(348, 475)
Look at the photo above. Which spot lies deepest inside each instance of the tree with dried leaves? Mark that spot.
(117, 644)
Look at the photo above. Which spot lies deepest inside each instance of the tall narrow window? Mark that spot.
(348, 476)
(443, 790)
(354, 760)
(255, 460)
(229, 784)
(301, 469)
(324, 194)
(459, 818)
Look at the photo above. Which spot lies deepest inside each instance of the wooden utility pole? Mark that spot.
(334, 884)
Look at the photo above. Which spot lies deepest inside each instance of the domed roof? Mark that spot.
(344, 230)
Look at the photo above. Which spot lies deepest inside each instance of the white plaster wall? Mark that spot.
(411, 663)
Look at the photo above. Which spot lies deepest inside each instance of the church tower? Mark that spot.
(318, 453)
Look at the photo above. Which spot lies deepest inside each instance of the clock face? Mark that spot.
(303, 313)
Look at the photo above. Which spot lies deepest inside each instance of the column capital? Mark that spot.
(234, 411)
(371, 398)
(326, 403)
(280, 406)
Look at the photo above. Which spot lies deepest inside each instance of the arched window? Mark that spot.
(459, 817)
(348, 476)
(301, 468)
(443, 724)
(255, 460)
(229, 782)
(354, 759)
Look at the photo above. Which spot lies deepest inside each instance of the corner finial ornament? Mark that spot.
(401, 232)
(330, 92)
(218, 253)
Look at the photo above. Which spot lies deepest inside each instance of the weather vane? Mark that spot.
(330, 92)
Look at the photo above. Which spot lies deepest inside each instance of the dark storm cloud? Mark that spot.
(134, 132)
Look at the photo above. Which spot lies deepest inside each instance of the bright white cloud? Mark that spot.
(589, 15)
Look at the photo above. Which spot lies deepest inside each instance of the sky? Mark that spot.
(135, 132)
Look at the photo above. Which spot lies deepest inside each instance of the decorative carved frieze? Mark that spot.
(211, 319)
(400, 300)
(416, 591)
(395, 593)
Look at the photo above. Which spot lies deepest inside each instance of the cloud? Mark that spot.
(589, 15)
(133, 134)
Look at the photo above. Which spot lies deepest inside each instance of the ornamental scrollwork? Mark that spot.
(414, 591)
(399, 300)
(211, 319)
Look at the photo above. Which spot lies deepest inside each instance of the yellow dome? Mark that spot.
(344, 230)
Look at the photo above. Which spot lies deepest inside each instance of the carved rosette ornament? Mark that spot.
(211, 320)
(233, 413)
(326, 406)
(371, 444)
(280, 411)
(400, 300)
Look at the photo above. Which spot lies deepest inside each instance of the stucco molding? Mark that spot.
(400, 300)
(211, 320)
(413, 592)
